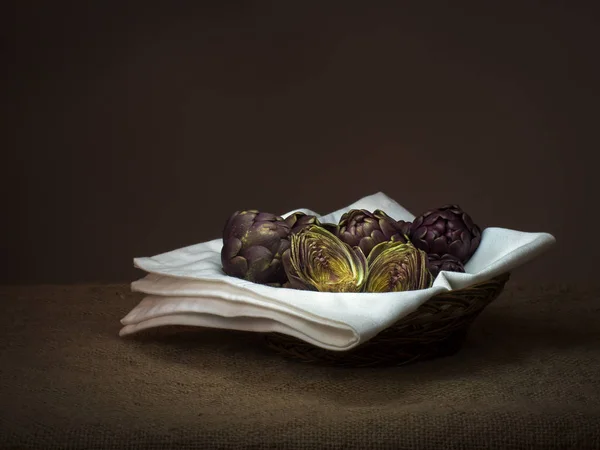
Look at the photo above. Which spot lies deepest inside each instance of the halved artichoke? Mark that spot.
(397, 266)
(317, 260)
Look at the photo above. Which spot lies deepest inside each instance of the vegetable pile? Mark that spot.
(365, 252)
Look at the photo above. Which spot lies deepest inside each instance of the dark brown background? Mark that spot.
(132, 129)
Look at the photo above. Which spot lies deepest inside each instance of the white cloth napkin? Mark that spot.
(187, 287)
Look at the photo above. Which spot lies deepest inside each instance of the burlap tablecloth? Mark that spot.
(528, 377)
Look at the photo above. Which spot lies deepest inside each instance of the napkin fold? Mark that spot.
(188, 287)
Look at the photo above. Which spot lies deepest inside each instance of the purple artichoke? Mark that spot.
(446, 231)
(361, 228)
(298, 220)
(253, 243)
(446, 262)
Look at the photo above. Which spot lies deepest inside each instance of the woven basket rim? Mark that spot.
(437, 328)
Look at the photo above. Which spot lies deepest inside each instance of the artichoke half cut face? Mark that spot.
(396, 266)
(317, 260)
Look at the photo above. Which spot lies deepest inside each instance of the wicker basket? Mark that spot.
(438, 328)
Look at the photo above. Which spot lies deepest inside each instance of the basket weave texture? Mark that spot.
(436, 329)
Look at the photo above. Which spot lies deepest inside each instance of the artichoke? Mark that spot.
(299, 219)
(446, 230)
(317, 260)
(397, 266)
(447, 262)
(359, 227)
(253, 244)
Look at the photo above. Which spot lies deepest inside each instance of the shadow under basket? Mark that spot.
(436, 329)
